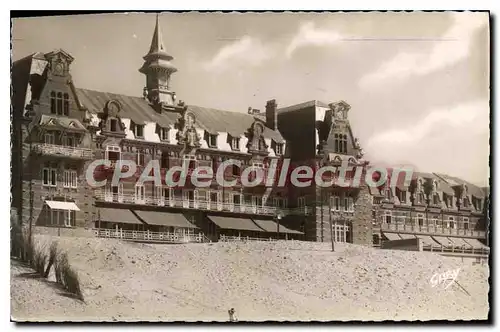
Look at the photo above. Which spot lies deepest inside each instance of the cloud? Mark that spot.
(247, 51)
(309, 35)
(453, 48)
(456, 118)
(453, 141)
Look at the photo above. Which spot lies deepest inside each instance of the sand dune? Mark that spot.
(285, 281)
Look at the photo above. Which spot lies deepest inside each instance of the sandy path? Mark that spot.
(262, 281)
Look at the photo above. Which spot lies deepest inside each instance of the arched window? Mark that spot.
(52, 102)
(337, 143)
(345, 144)
(66, 104)
(59, 103)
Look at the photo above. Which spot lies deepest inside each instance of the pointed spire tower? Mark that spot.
(158, 70)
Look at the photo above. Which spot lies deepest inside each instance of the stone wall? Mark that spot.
(362, 227)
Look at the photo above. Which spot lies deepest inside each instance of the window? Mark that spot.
(212, 140)
(113, 153)
(340, 143)
(164, 160)
(436, 199)
(49, 176)
(350, 204)
(69, 141)
(66, 104)
(236, 170)
(139, 131)
(70, 179)
(451, 223)
(466, 223)
(59, 103)
(49, 138)
(434, 221)
(346, 203)
(388, 217)
(53, 102)
(478, 203)
(402, 196)
(113, 125)
(139, 193)
(450, 201)
(189, 161)
(279, 148)
(466, 202)
(140, 158)
(420, 218)
(164, 134)
(69, 218)
(235, 143)
(301, 201)
(335, 203)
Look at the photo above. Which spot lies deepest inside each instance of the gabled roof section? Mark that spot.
(139, 111)
(454, 181)
(135, 108)
(300, 106)
(234, 123)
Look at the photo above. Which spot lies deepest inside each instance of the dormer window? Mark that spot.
(435, 199)
(113, 125)
(235, 143)
(139, 131)
(212, 140)
(279, 148)
(402, 196)
(49, 138)
(164, 134)
(478, 204)
(466, 202)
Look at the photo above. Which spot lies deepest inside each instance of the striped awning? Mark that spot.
(428, 241)
(272, 227)
(164, 219)
(119, 216)
(57, 205)
(459, 242)
(443, 241)
(476, 244)
(235, 223)
(406, 236)
(391, 236)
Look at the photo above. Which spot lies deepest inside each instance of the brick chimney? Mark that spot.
(272, 114)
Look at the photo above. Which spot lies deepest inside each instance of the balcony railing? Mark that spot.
(179, 202)
(63, 151)
(225, 238)
(437, 230)
(167, 237)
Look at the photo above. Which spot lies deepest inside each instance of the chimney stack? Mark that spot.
(272, 114)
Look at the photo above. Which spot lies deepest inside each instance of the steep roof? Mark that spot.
(474, 190)
(139, 110)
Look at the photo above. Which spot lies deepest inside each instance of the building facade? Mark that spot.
(58, 130)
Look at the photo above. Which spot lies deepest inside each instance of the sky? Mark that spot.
(417, 83)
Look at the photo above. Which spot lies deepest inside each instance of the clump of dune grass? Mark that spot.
(68, 277)
(39, 260)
